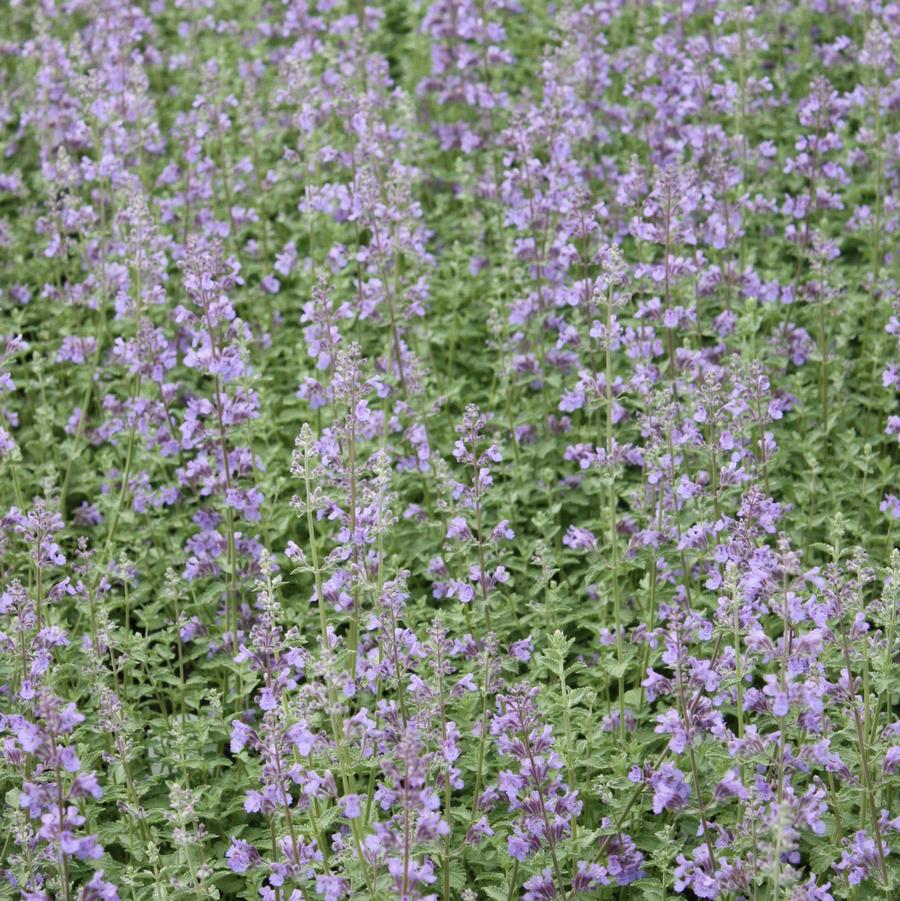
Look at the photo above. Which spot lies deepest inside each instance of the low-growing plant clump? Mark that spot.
(449, 450)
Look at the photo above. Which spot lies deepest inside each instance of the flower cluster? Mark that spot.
(449, 450)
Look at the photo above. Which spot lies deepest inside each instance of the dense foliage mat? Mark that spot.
(449, 449)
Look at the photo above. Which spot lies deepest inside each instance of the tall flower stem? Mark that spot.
(613, 503)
